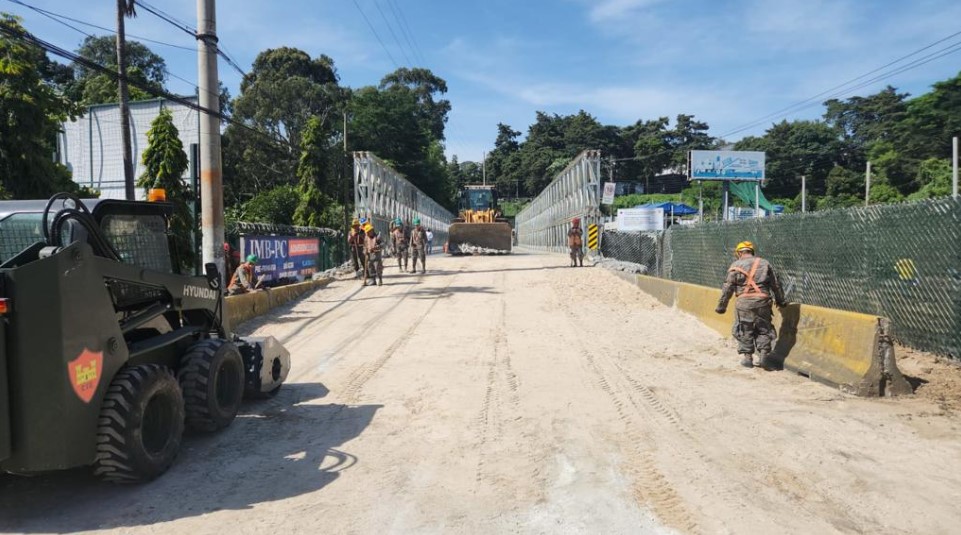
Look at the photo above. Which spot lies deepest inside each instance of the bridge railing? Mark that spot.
(575, 192)
(381, 194)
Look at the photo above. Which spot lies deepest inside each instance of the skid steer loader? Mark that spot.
(106, 352)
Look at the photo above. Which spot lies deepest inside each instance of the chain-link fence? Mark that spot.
(900, 261)
(641, 248)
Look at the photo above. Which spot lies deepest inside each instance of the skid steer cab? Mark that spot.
(106, 352)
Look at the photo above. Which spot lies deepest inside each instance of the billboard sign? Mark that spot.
(609, 189)
(282, 258)
(638, 219)
(727, 165)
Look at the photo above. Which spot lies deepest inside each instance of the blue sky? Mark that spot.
(728, 62)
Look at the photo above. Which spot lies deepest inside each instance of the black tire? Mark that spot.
(140, 426)
(212, 378)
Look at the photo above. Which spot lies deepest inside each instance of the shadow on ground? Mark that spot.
(276, 449)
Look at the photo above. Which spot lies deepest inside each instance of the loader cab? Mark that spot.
(478, 198)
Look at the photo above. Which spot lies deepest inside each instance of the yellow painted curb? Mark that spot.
(846, 349)
(241, 308)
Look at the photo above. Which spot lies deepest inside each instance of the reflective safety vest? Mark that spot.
(751, 287)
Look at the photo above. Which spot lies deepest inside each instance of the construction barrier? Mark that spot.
(849, 350)
(244, 307)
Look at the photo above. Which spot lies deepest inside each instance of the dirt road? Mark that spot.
(514, 394)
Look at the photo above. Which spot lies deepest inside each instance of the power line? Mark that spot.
(391, 29)
(56, 18)
(31, 39)
(377, 35)
(51, 15)
(404, 32)
(406, 26)
(843, 88)
(190, 30)
(170, 19)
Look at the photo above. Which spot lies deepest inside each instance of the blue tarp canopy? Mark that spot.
(679, 208)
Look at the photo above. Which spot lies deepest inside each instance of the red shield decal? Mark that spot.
(84, 373)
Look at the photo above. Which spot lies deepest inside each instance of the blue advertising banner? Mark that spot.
(282, 259)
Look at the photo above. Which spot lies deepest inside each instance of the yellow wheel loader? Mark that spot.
(479, 227)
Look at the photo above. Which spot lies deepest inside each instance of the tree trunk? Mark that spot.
(124, 98)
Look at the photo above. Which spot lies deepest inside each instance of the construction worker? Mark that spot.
(244, 279)
(753, 281)
(374, 251)
(418, 245)
(400, 238)
(355, 241)
(575, 240)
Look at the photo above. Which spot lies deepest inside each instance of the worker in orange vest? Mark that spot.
(752, 279)
(575, 240)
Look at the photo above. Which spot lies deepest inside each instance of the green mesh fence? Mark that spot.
(899, 261)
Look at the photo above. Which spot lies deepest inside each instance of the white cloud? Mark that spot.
(607, 10)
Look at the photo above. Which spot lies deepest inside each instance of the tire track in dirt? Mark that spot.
(689, 449)
(361, 375)
(648, 484)
(501, 406)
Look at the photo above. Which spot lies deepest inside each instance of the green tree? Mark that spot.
(276, 205)
(165, 163)
(285, 89)
(311, 171)
(934, 175)
(144, 68)
(688, 134)
(793, 149)
(425, 85)
(31, 112)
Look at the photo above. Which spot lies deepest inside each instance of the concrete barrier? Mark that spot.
(240, 308)
(849, 350)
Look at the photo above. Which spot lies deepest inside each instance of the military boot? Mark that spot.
(747, 360)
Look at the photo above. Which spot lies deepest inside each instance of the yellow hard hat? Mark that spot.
(744, 245)
(355, 222)
(368, 227)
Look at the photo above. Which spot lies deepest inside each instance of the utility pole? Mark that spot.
(804, 192)
(726, 187)
(954, 165)
(867, 185)
(345, 179)
(757, 200)
(211, 180)
(700, 201)
(124, 9)
(484, 168)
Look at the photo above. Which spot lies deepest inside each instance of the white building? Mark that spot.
(91, 149)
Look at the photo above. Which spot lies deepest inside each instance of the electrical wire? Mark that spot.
(390, 28)
(54, 16)
(31, 39)
(377, 35)
(842, 89)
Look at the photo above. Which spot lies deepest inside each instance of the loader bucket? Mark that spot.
(479, 238)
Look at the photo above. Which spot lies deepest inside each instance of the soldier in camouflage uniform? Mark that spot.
(418, 246)
(753, 281)
(400, 237)
(374, 250)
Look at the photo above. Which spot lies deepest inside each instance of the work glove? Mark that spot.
(720, 309)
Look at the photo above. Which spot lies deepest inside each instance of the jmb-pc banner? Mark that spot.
(282, 259)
